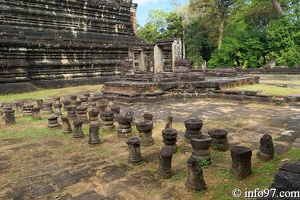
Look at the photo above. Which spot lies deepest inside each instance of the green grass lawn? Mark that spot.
(269, 89)
(48, 93)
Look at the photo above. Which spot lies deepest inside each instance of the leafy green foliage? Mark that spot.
(161, 25)
(244, 33)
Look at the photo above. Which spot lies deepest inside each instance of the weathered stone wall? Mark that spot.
(44, 40)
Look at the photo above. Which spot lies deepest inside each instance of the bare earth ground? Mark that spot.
(39, 163)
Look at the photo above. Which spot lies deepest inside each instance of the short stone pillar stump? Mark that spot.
(102, 108)
(36, 113)
(195, 180)
(165, 163)
(116, 110)
(19, 106)
(56, 100)
(107, 120)
(86, 94)
(92, 105)
(148, 117)
(84, 100)
(57, 109)
(93, 116)
(124, 128)
(94, 137)
(39, 103)
(219, 139)
(78, 133)
(145, 132)
(73, 99)
(200, 149)
(170, 138)
(66, 103)
(71, 112)
(266, 148)
(81, 112)
(27, 110)
(52, 122)
(9, 116)
(66, 126)
(3, 110)
(135, 156)
(241, 161)
(193, 128)
(47, 108)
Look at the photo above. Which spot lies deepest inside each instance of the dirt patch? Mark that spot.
(114, 172)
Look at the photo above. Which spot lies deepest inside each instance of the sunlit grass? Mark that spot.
(269, 89)
(47, 93)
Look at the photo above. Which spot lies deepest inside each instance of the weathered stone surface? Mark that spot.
(241, 161)
(170, 138)
(195, 180)
(135, 155)
(165, 163)
(193, 128)
(219, 139)
(266, 148)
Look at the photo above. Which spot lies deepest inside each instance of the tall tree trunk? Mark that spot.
(221, 34)
(277, 6)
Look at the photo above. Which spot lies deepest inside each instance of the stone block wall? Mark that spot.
(44, 40)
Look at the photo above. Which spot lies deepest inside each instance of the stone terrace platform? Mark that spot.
(168, 86)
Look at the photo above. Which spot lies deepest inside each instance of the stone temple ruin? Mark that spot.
(64, 43)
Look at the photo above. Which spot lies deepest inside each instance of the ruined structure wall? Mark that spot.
(44, 40)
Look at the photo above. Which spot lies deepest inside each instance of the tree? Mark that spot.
(214, 14)
(161, 24)
(283, 42)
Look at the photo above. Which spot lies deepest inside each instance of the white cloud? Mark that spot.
(144, 2)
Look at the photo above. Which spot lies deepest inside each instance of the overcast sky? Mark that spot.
(145, 5)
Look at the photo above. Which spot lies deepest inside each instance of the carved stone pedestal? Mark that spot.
(145, 132)
(52, 122)
(73, 99)
(241, 161)
(27, 110)
(36, 113)
(19, 106)
(66, 126)
(56, 100)
(165, 163)
(170, 139)
(47, 108)
(9, 116)
(5, 109)
(81, 112)
(78, 133)
(201, 149)
(116, 110)
(39, 103)
(107, 120)
(57, 109)
(124, 128)
(266, 148)
(193, 128)
(219, 139)
(93, 116)
(66, 103)
(148, 117)
(71, 112)
(94, 134)
(195, 180)
(134, 150)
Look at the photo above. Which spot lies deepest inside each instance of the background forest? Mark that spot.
(243, 33)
